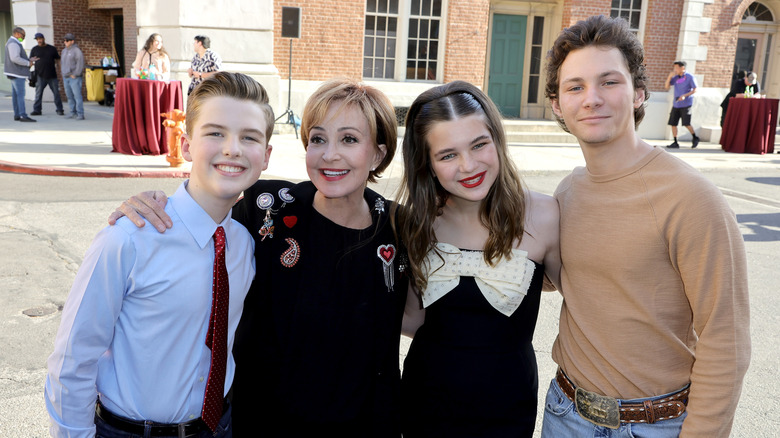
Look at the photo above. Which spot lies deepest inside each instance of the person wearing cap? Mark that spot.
(205, 62)
(684, 86)
(46, 73)
(72, 66)
(746, 80)
(17, 69)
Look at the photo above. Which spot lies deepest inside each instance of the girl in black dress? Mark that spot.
(479, 245)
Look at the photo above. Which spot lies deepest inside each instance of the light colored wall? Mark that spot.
(243, 36)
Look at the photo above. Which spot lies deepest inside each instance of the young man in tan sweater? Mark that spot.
(654, 328)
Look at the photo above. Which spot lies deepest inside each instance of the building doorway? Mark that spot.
(507, 53)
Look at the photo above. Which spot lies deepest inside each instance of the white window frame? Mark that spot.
(402, 40)
(640, 31)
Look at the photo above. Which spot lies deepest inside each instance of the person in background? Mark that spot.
(17, 69)
(46, 72)
(72, 67)
(654, 332)
(153, 53)
(144, 347)
(684, 86)
(205, 62)
(745, 81)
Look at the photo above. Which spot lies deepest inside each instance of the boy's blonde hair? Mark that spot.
(236, 85)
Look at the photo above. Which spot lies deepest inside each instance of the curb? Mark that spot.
(6, 166)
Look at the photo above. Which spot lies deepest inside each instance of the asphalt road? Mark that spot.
(47, 223)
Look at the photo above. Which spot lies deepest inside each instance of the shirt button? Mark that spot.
(200, 379)
(192, 416)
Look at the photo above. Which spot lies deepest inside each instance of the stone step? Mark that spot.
(531, 126)
(540, 138)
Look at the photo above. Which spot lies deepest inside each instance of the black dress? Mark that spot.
(317, 347)
(471, 370)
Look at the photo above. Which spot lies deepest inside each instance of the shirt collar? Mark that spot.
(200, 225)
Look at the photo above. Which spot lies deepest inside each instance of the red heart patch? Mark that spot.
(290, 221)
(387, 253)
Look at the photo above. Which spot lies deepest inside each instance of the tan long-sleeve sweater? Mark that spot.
(654, 282)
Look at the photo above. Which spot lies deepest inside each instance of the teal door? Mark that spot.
(507, 51)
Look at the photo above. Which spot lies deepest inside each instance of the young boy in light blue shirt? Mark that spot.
(131, 355)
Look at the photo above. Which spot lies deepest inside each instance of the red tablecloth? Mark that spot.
(137, 128)
(750, 126)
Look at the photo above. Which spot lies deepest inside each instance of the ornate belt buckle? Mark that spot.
(598, 409)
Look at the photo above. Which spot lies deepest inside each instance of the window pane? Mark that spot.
(389, 68)
(431, 71)
(434, 28)
(379, 50)
(415, 7)
(391, 26)
(379, 68)
(426, 8)
(637, 5)
(413, 28)
(533, 89)
(381, 25)
(370, 23)
(368, 46)
(536, 59)
(423, 50)
(634, 20)
(393, 6)
(411, 49)
(370, 5)
(367, 71)
(382, 8)
(615, 4)
(424, 29)
(391, 48)
(437, 8)
(538, 32)
(626, 4)
(433, 53)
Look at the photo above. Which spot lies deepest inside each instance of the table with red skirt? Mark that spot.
(749, 126)
(137, 128)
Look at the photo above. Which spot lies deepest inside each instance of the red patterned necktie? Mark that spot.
(216, 339)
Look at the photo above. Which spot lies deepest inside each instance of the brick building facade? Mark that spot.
(406, 46)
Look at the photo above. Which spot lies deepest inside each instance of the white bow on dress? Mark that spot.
(504, 285)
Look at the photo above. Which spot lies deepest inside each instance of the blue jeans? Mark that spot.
(224, 430)
(73, 90)
(17, 96)
(40, 86)
(562, 420)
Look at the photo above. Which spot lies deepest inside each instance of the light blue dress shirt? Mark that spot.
(134, 325)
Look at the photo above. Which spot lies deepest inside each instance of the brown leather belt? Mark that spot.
(610, 412)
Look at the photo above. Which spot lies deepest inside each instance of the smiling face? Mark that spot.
(228, 150)
(341, 152)
(463, 157)
(596, 96)
(158, 43)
